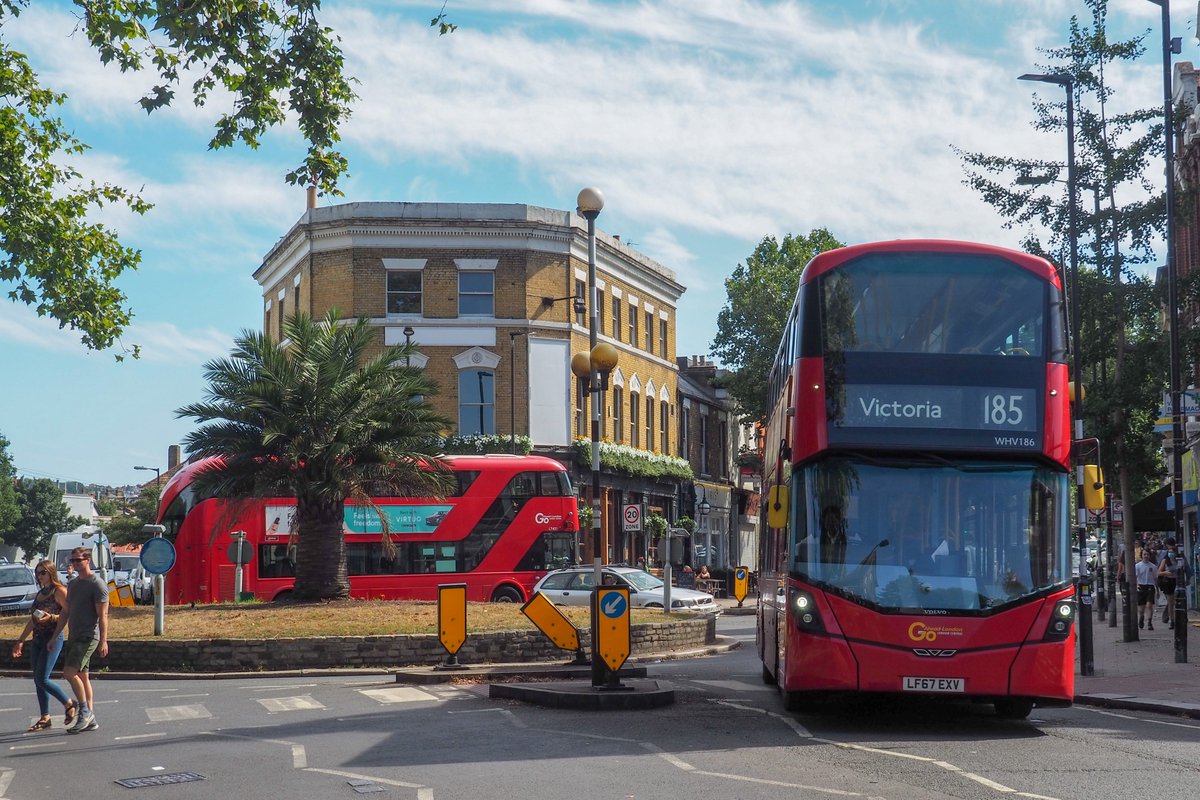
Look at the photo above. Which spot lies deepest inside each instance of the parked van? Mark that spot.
(61, 545)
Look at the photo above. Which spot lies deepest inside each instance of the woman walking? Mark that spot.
(48, 605)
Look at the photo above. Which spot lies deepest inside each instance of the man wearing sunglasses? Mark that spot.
(86, 619)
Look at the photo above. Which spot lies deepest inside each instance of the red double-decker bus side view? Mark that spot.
(508, 520)
(916, 528)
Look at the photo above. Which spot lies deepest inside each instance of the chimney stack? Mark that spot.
(172, 457)
(312, 198)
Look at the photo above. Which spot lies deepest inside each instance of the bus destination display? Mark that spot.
(963, 408)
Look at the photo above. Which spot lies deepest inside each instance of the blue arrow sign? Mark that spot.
(613, 606)
(741, 574)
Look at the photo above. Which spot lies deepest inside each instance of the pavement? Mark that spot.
(1143, 674)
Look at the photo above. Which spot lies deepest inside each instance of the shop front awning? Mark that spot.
(1155, 511)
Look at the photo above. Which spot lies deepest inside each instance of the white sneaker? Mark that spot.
(82, 722)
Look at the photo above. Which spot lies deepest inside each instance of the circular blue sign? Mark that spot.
(158, 556)
(612, 605)
(741, 574)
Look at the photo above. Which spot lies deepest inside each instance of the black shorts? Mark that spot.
(1145, 593)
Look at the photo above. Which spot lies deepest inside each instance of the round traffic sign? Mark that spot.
(613, 605)
(632, 514)
(740, 574)
(240, 551)
(157, 556)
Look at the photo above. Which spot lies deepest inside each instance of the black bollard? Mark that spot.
(1087, 664)
(1181, 615)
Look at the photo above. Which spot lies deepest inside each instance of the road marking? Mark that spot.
(35, 746)
(766, 782)
(18, 708)
(172, 713)
(946, 765)
(139, 736)
(278, 688)
(299, 755)
(1143, 719)
(303, 702)
(358, 777)
(6, 776)
(399, 694)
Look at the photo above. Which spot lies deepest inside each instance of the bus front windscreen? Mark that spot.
(930, 535)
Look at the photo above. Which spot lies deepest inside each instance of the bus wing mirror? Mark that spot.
(777, 507)
(1093, 487)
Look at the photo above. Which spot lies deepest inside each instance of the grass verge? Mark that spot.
(339, 618)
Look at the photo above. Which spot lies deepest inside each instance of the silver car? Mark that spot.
(17, 589)
(573, 587)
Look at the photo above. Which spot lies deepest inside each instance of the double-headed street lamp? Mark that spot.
(600, 360)
(1067, 82)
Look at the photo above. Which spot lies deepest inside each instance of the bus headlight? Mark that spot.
(1061, 620)
(803, 608)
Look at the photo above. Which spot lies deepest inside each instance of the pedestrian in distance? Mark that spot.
(87, 622)
(45, 643)
(1147, 579)
(1166, 581)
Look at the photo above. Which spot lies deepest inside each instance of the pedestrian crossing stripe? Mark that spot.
(172, 713)
(304, 702)
(400, 694)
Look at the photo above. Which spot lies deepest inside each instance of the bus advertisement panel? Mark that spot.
(508, 520)
(919, 406)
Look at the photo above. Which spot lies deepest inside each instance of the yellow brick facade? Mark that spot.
(339, 257)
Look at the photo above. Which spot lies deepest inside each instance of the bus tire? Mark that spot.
(283, 597)
(1013, 707)
(768, 676)
(799, 701)
(506, 594)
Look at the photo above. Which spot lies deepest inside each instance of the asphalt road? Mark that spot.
(727, 736)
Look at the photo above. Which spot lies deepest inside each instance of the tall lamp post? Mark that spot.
(589, 203)
(512, 385)
(1172, 46)
(157, 475)
(1086, 664)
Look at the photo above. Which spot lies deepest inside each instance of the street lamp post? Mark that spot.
(1067, 82)
(1170, 46)
(589, 204)
(512, 386)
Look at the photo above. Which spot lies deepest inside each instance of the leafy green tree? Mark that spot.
(1122, 351)
(273, 58)
(43, 513)
(125, 527)
(10, 512)
(322, 421)
(760, 294)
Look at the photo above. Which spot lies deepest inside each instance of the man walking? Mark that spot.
(1147, 580)
(87, 621)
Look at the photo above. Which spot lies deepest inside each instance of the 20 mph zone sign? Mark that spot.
(633, 518)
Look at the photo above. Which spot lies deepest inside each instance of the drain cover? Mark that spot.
(160, 780)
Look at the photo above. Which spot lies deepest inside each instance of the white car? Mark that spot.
(573, 587)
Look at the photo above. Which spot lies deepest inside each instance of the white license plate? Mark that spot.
(934, 685)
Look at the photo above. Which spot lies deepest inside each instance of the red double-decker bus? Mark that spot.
(916, 535)
(508, 520)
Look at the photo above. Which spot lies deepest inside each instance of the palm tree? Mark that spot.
(317, 419)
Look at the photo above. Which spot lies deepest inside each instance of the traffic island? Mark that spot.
(636, 694)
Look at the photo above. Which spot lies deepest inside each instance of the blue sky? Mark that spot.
(708, 124)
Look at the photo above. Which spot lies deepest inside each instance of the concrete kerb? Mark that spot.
(1126, 702)
(471, 672)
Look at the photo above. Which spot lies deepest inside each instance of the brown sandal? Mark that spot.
(42, 724)
(72, 709)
